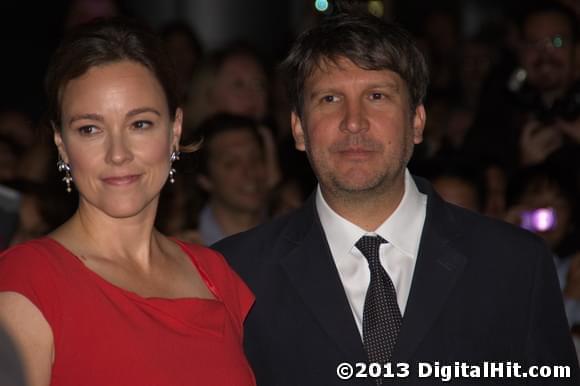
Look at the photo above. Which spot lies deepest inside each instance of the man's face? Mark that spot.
(548, 51)
(236, 176)
(357, 128)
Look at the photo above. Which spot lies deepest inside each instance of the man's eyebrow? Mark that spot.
(394, 86)
(322, 91)
(391, 85)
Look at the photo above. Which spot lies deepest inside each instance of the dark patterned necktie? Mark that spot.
(381, 316)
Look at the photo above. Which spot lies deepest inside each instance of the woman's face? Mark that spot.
(240, 88)
(117, 135)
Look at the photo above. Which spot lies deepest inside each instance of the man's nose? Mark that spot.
(355, 117)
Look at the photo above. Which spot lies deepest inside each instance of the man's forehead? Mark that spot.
(327, 64)
(543, 23)
(326, 73)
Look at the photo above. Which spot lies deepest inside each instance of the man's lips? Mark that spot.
(355, 152)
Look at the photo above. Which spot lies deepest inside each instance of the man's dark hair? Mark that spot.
(367, 41)
(470, 172)
(183, 28)
(104, 41)
(216, 125)
(235, 48)
(547, 6)
(533, 178)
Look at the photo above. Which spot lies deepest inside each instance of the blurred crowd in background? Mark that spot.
(502, 135)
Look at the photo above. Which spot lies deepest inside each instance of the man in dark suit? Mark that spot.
(375, 270)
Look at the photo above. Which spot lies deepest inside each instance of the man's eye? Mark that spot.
(377, 96)
(329, 98)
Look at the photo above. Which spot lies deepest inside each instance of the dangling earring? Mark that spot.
(174, 157)
(64, 167)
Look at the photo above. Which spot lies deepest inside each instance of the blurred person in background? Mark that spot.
(35, 163)
(544, 200)
(185, 49)
(186, 52)
(10, 153)
(11, 373)
(82, 11)
(535, 110)
(440, 39)
(17, 124)
(235, 80)
(456, 182)
(31, 223)
(231, 171)
(544, 186)
(478, 55)
(9, 213)
(551, 91)
(495, 178)
(106, 299)
(31, 148)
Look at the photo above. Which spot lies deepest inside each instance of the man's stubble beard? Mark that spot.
(380, 185)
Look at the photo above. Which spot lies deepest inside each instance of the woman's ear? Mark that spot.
(177, 128)
(59, 142)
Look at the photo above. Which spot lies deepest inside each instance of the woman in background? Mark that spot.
(106, 299)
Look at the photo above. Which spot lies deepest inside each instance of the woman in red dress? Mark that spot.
(106, 299)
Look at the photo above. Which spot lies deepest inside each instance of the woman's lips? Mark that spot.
(121, 180)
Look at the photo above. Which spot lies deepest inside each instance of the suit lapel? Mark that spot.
(312, 272)
(437, 269)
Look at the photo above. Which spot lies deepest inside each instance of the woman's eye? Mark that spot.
(87, 130)
(142, 125)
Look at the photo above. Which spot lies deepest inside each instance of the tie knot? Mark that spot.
(369, 246)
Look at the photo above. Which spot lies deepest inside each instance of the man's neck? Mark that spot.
(368, 210)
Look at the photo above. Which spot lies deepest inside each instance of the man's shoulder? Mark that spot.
(287, 229)
(479, 233)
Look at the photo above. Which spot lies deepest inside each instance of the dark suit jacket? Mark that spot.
(482, 290)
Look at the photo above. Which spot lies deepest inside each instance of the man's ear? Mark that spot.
(58, 141)
(419, 120)
(204, 182)
(177, 128)
(297, 132)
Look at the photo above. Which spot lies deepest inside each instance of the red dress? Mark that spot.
(105, 335)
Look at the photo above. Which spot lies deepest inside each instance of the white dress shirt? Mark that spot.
(402, 230)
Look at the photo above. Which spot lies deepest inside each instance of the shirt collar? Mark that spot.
(402, 228)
